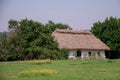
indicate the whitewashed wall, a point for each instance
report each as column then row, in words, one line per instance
column 72, row 54
column 102, row 54
column 85, row 54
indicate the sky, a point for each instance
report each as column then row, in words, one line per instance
column 78, row 14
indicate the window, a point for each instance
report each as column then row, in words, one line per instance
column 93, row 54
column 78, row 53
column 98, row 53
column 89, row 53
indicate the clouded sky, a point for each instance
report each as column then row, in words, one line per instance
column 78, row 14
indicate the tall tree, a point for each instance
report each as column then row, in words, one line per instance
column 54, row 26
column 3, row 47
column 109, row 32
column 32, row 40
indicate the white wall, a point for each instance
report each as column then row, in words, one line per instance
column 84, row 54
column 72, row 54
column 94, row 54
column 102, row 54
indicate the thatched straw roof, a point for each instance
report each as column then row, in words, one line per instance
column 78, row 40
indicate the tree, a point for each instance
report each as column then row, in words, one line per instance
column 3, row 47
column 54, row 26
column 31, row 40
column 13, row 25
column 109, row 32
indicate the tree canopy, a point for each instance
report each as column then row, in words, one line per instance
column 109, row 32
column 31, row 40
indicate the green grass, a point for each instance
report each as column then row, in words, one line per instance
column 66, row 70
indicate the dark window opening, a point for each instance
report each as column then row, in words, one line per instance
column 89, row 53
column 98, row 53
column 78, row 53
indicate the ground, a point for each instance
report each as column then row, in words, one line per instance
column 65, row 70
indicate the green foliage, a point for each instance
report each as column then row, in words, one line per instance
column 54, row 26
column 3, row 47
column 109, row 32
column 31, row 40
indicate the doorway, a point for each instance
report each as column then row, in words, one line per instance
column 78, row 53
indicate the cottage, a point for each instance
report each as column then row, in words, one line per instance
column 82, row 44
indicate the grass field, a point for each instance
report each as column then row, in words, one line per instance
column 64, row 70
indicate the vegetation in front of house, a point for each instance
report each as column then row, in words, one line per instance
column 61, row 70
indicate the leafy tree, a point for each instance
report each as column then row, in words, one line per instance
column 3, row 47
column 54, row 26
column 13, row 25
column 31, row 40
column 109, row 32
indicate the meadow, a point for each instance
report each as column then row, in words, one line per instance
column 60, row 70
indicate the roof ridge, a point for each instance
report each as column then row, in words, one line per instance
column 73, row 31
